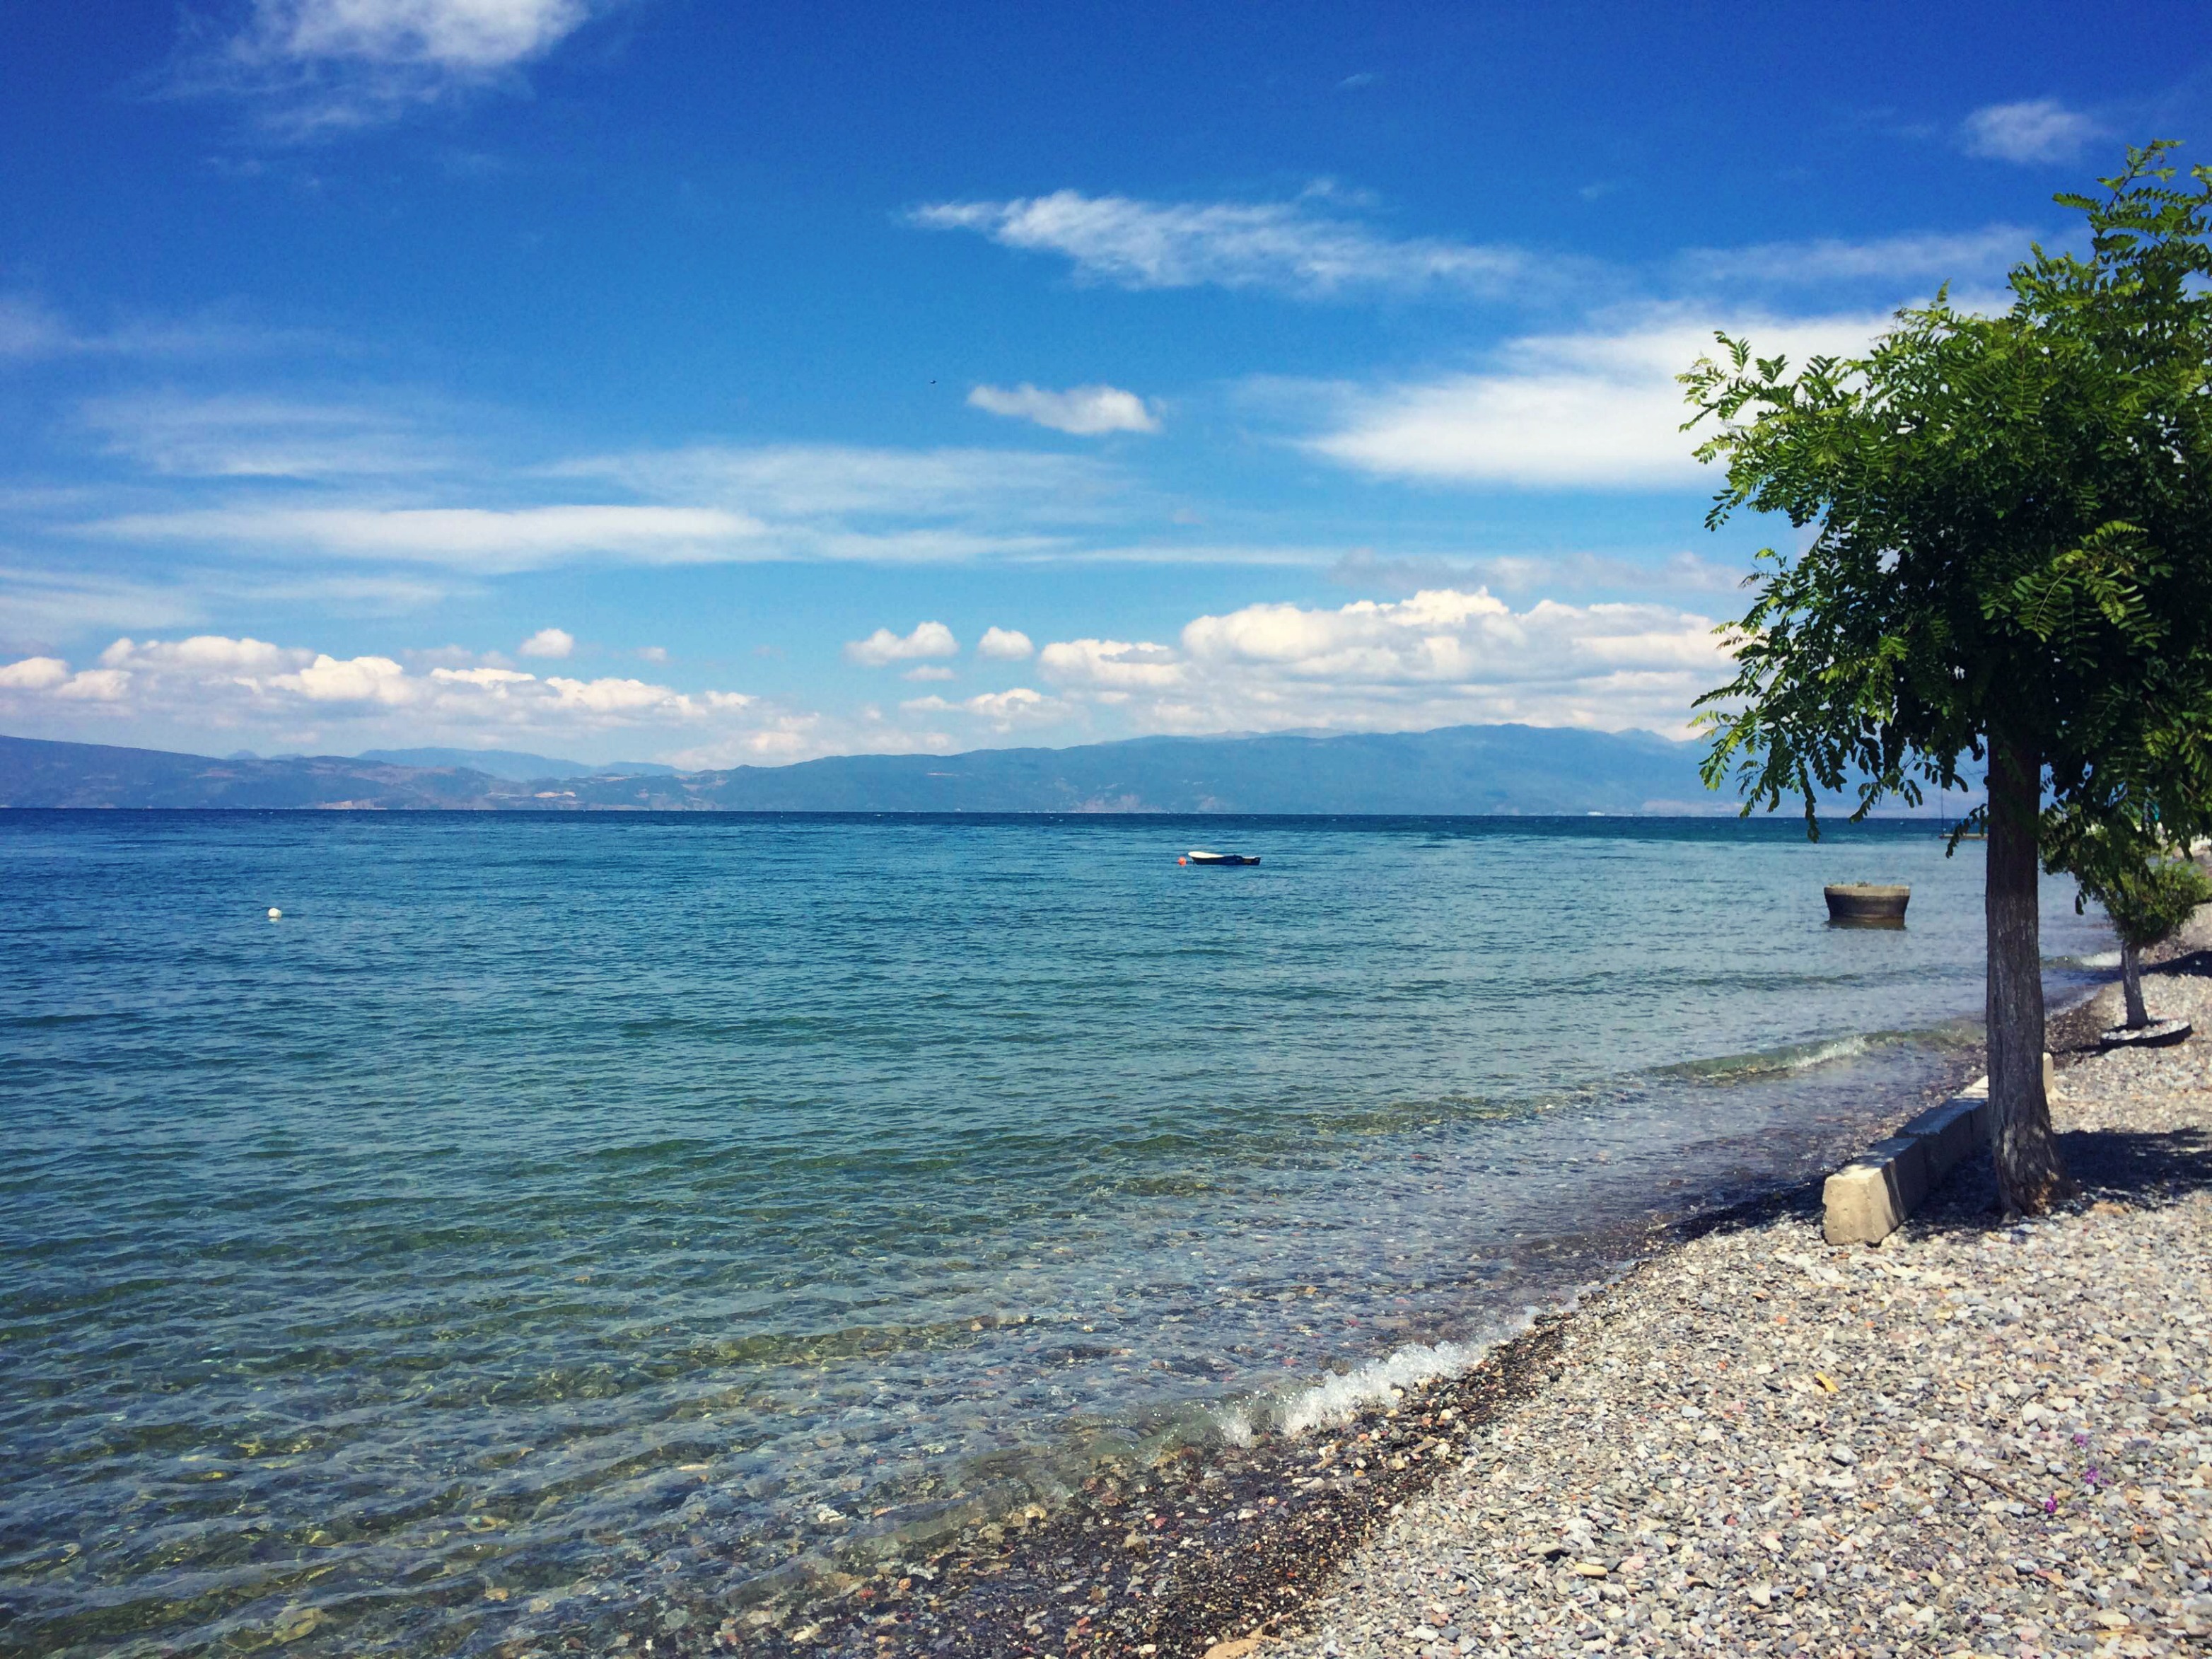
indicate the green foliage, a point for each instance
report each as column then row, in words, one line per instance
column 2008, row 537
column 2147, row 905
column 2115, row 863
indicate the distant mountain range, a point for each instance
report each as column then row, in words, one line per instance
column 1475, row 769
column 511, row 764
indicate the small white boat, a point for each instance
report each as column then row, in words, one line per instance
column 1198, row 856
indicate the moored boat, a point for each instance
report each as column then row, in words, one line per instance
column 1198, row 855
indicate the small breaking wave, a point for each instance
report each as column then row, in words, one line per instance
column 1796, row 1057
column 1338, row 1400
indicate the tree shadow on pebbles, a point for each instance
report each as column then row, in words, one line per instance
column 2138, row 1169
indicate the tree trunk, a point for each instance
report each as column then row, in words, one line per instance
column 2029, row 1177
column 2131, row 986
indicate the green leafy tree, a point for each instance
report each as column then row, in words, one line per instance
column 2005, row 556
column 2148, row 897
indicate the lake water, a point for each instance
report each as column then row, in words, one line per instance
column 556, row 1222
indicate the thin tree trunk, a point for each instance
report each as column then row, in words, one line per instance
column 2029, row 1177
column 2131, row 986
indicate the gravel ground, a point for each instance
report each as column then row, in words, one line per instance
column 1975, row 1439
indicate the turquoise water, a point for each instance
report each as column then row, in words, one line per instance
column 554, row 1223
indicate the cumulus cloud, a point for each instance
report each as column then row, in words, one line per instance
column 2034, row 130
column 1584, row 411
column 293, row 695
column 928, row 671
column 1004, row 645
column 1113, row 668
column 1442, row 656
column 35, row 674
column 929, row 639
column 209, row 655
column 1288, row 246
column 316, row 65
column 1087, row 412
column 1001, row 710
column 549, row 642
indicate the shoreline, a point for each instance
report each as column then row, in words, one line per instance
column 1977, row 1437
column 1164, row 1558
column 1224, row 1550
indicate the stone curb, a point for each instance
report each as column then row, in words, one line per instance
column 1870, row 1197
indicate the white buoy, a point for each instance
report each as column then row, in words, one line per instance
column 275, row 914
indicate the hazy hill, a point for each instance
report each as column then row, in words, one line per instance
column 33, row 772
column 511, row 764
column 1468, row 768
column 1510, row 769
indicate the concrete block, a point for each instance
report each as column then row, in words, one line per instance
column 1947, row 1133
column 1979, row 1088
column 1868, row 1200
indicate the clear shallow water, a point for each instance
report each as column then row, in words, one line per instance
column 553, row 1222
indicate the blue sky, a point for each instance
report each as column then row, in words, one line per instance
column 650, row 378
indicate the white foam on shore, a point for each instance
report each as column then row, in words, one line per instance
column 1339, row 1400
column 2102, row 959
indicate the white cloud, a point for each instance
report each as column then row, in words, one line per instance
column 1444, row 656
column 483, row 540
column 28, row 328
column 653, row 654
column 1927, row 258
column 1086, row 411
column 1004, row 645
column 704, row 504
column 929, row 639
column 813, row 483
column 1003, row 710
column 2034, row 130
column 47, row 606
column 451, row 35
column 358, row 679
column 242, row 435
column 1520, row 573
column 928, row 672
column 549, row 642
column 292, row 696
column 323, row 64
column 31, row 329
column 1283, row 246
column 210, row 693
column 1587, row 410
column 205, row 655
column 94, row 686
column 1112, row 666
column 34, row 674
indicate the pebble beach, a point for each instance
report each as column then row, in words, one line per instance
column 1973, row 1439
